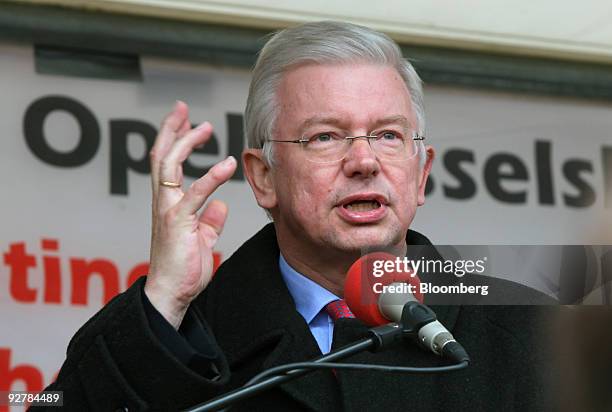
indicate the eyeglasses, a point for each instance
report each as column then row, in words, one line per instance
column 333, row 147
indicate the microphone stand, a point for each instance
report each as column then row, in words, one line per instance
column 379, row 338
column 414, row 316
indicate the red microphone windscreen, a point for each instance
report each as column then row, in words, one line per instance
column 365, row 280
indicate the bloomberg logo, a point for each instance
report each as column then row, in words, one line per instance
column 498, row 169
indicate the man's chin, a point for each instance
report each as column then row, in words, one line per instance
column 362, row 240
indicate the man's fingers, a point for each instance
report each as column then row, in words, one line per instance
column 203, row 187
column 170, row 127
column 170, row 167
column 176, row 118
column 184, row 128
column 214, row 215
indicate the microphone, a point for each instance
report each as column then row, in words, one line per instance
column 380, row 288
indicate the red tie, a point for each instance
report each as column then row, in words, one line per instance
column 338, row 309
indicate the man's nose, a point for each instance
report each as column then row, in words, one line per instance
column 361, row 160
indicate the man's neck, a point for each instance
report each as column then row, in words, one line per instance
column 327, row 269
column 329, row 273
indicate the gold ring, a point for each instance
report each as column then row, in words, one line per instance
column 169, row 184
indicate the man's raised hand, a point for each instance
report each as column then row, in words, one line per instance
column 181, row 261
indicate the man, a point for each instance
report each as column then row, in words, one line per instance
column 334, row 122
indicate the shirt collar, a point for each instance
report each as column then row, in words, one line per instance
column 309, row 296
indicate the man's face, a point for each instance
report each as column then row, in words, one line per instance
column 360, row 201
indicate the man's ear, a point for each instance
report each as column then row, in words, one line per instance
column 430, row 154
column 259, row 175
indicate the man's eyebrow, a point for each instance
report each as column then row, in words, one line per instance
column 335, row 121
column 399, row 119
column 311, row 121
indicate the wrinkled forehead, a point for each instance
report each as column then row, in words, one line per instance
column 354, row 94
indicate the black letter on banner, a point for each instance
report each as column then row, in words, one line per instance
column 33, row 125
column 235, row 133
column 586, row 195
column 211, row 147
column 234, row 148
column 544, row 172
column 120, row 161
column 606, row 157
column 493, row 177
column 429, row 185
column 466, row 187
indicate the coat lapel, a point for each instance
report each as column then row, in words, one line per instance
column 318, row 390
column 255, row 322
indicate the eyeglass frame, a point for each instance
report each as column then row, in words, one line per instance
column 416, row 137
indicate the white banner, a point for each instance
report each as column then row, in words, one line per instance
column 510, row 169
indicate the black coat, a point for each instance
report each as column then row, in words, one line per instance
column 115, row 361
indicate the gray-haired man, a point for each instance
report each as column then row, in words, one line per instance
column 334, row 122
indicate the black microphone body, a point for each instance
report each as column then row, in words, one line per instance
column 420, row 322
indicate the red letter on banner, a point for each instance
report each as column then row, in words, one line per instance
column 81, row 273
column 19, row 262
column 53, row 279
column 29, row 375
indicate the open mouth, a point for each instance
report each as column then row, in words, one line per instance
column 362, row 205
column 363, row 208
